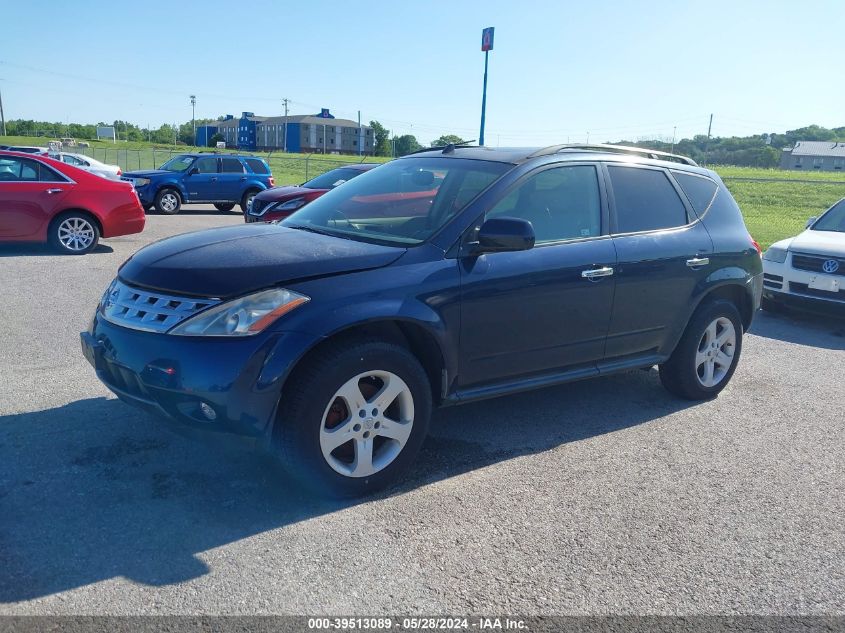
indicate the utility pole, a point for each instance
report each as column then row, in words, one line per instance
column 285, row 137
column 2, row 116
column 194, row 117
column 707, row 143
column 674, row 129
column 359, row 133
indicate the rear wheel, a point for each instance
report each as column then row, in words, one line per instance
column 224, row 206
column 246, row 201
column 168, row 201
column 74, row 234
column 707, row 354
column 353, row 417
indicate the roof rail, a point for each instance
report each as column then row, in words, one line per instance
column 442, row 148
column 619, row 149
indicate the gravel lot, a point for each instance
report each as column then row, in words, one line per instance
column 607, row 496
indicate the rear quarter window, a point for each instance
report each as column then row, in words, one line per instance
column 645, row 200
column 698, row 189
column 231, row 166
column 257, row 166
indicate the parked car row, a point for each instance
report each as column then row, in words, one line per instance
column 46, row 200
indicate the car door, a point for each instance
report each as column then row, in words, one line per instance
column 663, row 254
column 231, row 180
column 29, row 195
column 546, row 309
column 201, row 180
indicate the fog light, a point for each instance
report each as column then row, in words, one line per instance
column 207, row 411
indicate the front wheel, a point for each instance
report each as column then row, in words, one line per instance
column 168, row 201
column 353, row 418
column 707, row 354
column 224, row 206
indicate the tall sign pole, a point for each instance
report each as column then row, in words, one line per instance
column 486, row 46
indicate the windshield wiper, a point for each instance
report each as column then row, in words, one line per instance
column 311, row 229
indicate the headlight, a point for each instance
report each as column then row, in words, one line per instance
column 291, row 205
column 140, row 182
column 776, row 255
column 241, row 317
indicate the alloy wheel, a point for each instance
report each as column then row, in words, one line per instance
column 76, row 234
column 715, row 353
column 168, row 202
column 367, row 423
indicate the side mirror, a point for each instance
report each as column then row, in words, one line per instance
column 501, row 235
column 811, row 221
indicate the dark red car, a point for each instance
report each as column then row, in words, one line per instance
column 279, row 202
column 44, row 200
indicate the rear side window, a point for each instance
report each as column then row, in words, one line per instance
column 25, row 170
column 645, row 200
column 257, row 166
column 232, row 165
column 699, row 190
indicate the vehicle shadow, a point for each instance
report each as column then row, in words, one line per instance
column 801, row 328
column 38, row 249
column 95, row 489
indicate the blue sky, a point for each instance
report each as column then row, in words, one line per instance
column 560, row 70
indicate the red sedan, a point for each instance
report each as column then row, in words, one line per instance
column 44, row 200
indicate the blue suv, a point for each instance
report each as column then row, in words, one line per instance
column 443, row 277
column 221, row 179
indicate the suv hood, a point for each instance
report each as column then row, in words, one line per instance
column 232, row 261
column 819, row 242
column 281, row 193
column 146, row 173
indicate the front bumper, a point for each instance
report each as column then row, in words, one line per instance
column 240, row 380
column 790, row 286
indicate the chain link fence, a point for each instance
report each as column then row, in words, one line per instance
column 287, row 168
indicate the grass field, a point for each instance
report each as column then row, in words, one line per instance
column 774, row 206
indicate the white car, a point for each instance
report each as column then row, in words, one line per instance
column 808, row 270
column 87, row 163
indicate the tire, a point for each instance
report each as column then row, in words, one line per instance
column 224, row 206
column 694, row 370
column 168, row 201
column 312, row 409
column 74, row 233
column 249, row 194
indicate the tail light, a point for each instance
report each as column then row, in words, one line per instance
column 756, row 245
column 119, row 171
column 272, row 181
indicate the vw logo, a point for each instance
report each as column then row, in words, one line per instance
column 830, row 266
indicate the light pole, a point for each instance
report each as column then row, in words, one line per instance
column 486, row 46
column 193, row 117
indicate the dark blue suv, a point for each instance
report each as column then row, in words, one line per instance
column 221, row 179
column 440, row 278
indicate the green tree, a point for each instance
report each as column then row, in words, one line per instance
column 448, row 139
column 406, row 144
column 381, row 140
column 212, row 142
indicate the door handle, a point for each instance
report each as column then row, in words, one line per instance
column 698, row 262
column 243, row 178
column 595, row 273
column 51, row 191
column 214, row 179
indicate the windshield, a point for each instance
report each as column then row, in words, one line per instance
column 833, row 220
column 405, row 201
column 333, row 178
column 178, row 163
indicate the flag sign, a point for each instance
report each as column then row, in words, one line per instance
column 487, row 39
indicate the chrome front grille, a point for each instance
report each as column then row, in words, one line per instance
column 815, row 263
column 149, row 311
